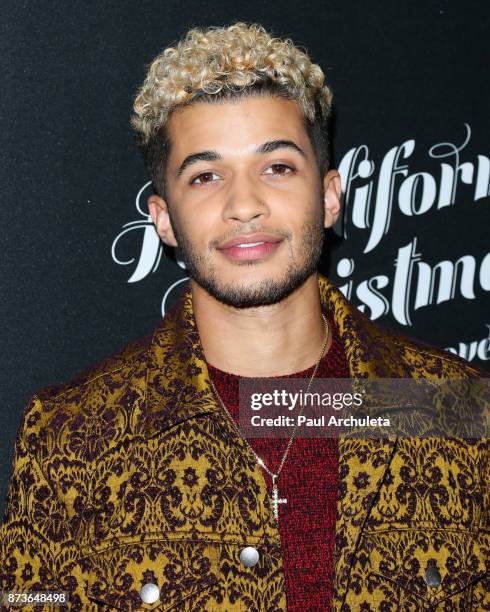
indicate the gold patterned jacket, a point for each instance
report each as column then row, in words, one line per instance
column 132, row 474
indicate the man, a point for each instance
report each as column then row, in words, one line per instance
column 132, row 486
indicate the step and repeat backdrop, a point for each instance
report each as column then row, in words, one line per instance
column 83, row 269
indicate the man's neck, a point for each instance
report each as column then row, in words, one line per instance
column 273, row 340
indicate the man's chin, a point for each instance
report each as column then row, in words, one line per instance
column 254, row 294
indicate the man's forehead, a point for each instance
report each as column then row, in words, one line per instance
column 235, row 127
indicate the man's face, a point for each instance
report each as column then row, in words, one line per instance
column 243, row 172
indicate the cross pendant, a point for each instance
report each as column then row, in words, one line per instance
column 275, row 499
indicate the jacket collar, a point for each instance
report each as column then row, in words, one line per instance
column 178, row 388
column 177, row 381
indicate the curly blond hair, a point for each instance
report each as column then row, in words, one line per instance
column 223, row 62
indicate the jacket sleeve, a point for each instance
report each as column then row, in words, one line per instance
column 35, row 527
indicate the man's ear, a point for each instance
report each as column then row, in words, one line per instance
column 332, row 194
column 159, row 213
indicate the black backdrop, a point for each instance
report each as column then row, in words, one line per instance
column 410, row 79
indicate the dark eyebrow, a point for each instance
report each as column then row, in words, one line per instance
column 269, row 147
column 195, row 157
column 266, row 147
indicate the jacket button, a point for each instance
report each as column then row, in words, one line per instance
column 149, row 593
column 249, row 556
column 432, row 576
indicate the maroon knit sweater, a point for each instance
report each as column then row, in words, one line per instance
column 309, row 482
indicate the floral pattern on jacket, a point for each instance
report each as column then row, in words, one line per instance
column 131, row 473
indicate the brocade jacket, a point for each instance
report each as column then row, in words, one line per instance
column 133, row 474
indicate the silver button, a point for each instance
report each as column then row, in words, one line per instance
column 432, row 576
column 149, row 593
column 249, row 556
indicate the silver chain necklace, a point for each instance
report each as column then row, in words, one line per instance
column 275, row 493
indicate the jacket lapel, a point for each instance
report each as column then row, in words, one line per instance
column 362, row 462
column 177, row 383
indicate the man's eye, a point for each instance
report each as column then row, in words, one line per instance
column 205, row 177
column 278, row 169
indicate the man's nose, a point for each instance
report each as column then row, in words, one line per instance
column 245, row 200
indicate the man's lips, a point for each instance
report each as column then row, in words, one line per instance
column 249, row 239
column 253, row 246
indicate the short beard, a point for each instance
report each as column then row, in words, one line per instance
column 266, row 292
